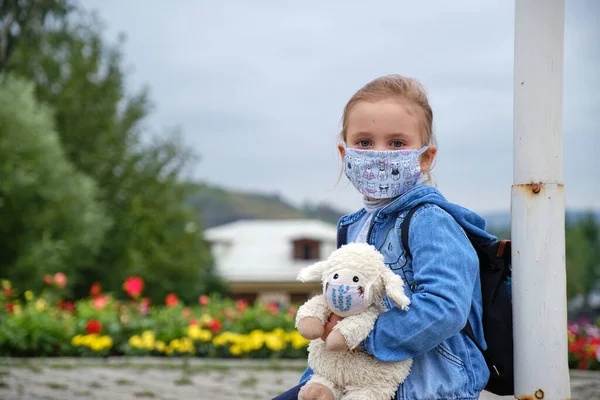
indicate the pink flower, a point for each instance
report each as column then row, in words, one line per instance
column 133, row 286
column 48, row 280
column 60, row 279
column 99, row 302
column 203, row 300
column 145, row 306
column 171, row 300
column 241, row 305
column 95, row 289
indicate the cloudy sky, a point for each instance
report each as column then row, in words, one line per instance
column 258, row 88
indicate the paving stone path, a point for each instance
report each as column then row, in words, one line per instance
column 155, row 378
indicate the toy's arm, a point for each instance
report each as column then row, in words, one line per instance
column 356, row 328
column 312, row 316
column 314, row 307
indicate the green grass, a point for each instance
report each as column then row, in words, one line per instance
column 184, row 380
column 57, row 386
column 145, row 394
column 123, row 382
column 249, row 382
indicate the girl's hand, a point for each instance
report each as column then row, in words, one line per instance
column 333, row 320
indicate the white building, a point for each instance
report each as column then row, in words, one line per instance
column 260, row 259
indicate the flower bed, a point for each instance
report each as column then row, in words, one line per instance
column 46, row 325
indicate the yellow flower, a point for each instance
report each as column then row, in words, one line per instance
column 106, row 342
column 148, row 340
column 205, row 319
column 17, row 309
column 235, row 350
column 256, row 339
column 6, row 284
column 40, row 305
column 77, row 340
column 28, row 295
column 205, row 335
column 193, row 331
column 160, row 346
column 274, row 342
column 136, row 342
column 297, row 340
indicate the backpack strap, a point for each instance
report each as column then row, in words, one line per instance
column 404, row 228
column 467, row 330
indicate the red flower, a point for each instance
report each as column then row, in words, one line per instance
column 93, row 326
column 133, row 286
column 273, row 308
column 193, row 321
column 10, row 307
column 186, row 312
column 99, row 302
column 95, row 289
column 66, row 305
column 60, row 279
column 48, row 280
column 8, row 291
column 215, row 325
column 241, row 305
column 171, row 300
column 203, row 300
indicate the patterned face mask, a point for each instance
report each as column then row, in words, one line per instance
column 344, row 299
column 383, row 174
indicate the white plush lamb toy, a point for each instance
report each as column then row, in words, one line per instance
column 355, row 281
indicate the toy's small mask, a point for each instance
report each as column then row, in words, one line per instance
column 345, row 299
column 347, row 292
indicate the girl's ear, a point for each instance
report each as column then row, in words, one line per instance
column 313, row 273
column 426, row 159
column 394, row 288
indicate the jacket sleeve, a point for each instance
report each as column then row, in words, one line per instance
column 445, row 267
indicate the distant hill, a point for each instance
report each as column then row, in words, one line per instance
column 218, row 206
column 500, row 221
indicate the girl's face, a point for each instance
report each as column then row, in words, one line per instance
column 387, row 125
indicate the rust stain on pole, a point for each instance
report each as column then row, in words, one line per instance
column 535, row 188
column 539, row 394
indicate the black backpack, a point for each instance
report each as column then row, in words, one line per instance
column 495, row 274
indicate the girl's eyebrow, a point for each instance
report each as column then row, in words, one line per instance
column 397, row 135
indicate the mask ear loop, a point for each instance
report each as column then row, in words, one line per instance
column 422, row 150
column 369, row 286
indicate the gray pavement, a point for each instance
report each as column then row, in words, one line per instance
column 176, row 379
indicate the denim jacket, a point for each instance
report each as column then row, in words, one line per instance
column 442, row 280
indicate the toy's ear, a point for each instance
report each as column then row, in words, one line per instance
column 394, row 288
column 313, row 273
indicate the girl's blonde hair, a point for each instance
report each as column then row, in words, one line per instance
column 396, row 87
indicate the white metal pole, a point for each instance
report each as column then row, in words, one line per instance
column 538, row 204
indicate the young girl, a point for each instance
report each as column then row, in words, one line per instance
column 388, row 149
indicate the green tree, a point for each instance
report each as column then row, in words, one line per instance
column 50, row 220
column 101, row 129
column 583, row 257
column 24, row 20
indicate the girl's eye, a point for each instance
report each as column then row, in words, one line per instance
column 364, row 143
column 397, row 143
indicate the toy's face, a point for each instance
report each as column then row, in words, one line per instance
column 347, row 292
